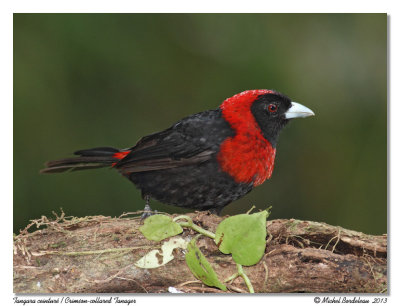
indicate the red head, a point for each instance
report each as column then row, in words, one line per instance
column 257, row 117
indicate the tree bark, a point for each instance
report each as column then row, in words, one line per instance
column 98, row 254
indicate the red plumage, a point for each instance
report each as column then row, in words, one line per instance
column 248, row 157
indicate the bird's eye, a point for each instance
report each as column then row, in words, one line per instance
column 272, row 108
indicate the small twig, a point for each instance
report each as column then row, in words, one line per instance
column 187, row 283
column 209, row 289
column 266, row 274
column 249, row 211
column 125, row 214
column 202, row 288
column 130, row 279
column 235, row 289
column 337, row 241
column 269, row 253
column 83, row 253
column 372, row 270
column 330, row 240
column 111, row 277
column 298, row 242
column 25, row 267
column 270, row 237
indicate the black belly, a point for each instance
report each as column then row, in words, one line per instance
column 201, row 186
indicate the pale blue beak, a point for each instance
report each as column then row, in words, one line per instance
column 298, row 111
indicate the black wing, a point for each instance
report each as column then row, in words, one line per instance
column 192, row 140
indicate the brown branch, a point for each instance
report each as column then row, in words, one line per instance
column 97, row 254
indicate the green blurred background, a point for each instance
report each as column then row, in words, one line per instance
column 87, row 80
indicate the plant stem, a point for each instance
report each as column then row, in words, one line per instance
column 198, row 229
column 193, row 226
column 231, row 278
column 189, row 223
column 246, row 279
column 187, row 218
column 251, row 209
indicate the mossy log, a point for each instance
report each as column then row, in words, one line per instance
column 98, row 254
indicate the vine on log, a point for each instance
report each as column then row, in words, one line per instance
column 97, row 254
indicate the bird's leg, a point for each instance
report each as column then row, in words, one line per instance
column 147, row 212
column 216, row 211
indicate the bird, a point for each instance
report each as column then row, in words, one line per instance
column 204, row 161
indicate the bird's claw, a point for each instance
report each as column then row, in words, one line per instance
column 147, row 212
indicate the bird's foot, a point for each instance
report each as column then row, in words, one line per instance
column 147, row 212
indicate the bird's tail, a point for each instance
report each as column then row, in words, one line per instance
column 87, row 159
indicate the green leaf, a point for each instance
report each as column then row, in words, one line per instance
column 200, row 267
column 243, row 236
column 159, row 227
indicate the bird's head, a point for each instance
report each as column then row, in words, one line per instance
column 267, row 110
